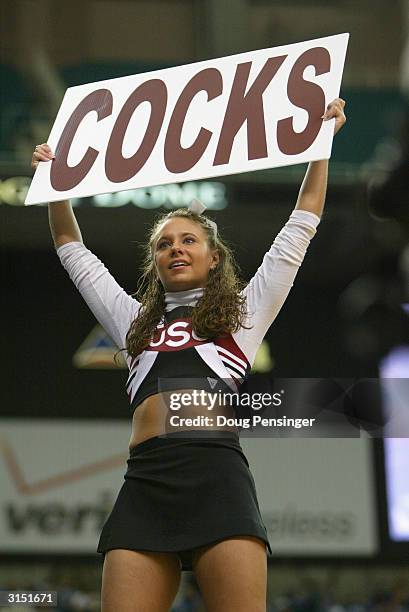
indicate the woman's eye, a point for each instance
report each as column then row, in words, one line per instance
column 161, row 245
column 189, row 240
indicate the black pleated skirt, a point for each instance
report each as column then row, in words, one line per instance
column 184, row 491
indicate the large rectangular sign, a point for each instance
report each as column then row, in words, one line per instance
column 250, row 111
column 316, row 496
column 58, row 482
column 59, row 479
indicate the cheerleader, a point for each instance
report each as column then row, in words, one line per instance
column 189, row 500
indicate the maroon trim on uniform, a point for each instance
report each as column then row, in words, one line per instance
column 228, row 343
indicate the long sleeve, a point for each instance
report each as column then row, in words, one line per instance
column 268, row 289
column 111, row 305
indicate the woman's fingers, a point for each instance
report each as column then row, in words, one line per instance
column 335, row 110
column 42, row 152
column 45, row 150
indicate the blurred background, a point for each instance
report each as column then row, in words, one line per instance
column 337, row 510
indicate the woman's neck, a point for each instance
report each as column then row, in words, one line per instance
column 190, row 297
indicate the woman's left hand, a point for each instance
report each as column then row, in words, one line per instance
column 335, row 109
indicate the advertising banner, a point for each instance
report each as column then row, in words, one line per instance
column 59, row 480
column 316, row 496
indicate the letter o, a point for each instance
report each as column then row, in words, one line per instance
column 117, row 167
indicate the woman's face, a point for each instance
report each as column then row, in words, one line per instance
column 182, row 255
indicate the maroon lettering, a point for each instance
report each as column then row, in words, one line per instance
column 247, row 107
column 178, row 158
column 63, row 176
column 117, row 167
column 308, row 96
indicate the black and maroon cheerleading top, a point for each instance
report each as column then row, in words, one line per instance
column 175, row 351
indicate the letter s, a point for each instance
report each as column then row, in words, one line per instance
column 277, row 399
column 175, row 333
column 307, row 95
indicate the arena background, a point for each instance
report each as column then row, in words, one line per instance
column 337, row 509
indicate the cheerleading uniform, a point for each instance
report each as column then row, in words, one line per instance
column 147, row 516
column 176, row 345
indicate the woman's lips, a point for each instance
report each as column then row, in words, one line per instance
column 179, row 268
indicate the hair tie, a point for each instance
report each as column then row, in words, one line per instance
column 197, row 207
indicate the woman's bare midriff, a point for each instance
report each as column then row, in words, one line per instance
column 153, row 417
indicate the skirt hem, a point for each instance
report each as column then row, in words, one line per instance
column 185, row 554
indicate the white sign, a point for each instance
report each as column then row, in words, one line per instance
column 59, row 479
column 245, row 112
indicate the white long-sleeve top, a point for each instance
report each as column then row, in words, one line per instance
column 229, row 357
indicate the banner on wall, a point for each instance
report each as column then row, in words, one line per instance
column 59, row 480
column 316, row 496
column 245, row 112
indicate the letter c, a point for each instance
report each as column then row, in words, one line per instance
column 64, row 177
column 177, row 158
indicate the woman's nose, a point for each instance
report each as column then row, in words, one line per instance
column 177, row 248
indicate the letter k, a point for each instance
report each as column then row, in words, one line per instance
column 248, row 107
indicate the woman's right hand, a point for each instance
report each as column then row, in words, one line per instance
column 42, row 152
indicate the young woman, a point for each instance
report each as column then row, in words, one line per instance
column 189, row 500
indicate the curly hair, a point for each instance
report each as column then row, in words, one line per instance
column 221, row 310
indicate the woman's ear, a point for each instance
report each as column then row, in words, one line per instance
column 215, row 259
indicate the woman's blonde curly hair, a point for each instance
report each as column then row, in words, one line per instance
column 221, row 309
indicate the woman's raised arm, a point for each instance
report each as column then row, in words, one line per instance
column 314, row 186
column 63, row 224
column 110, row 304
column 268, row 289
